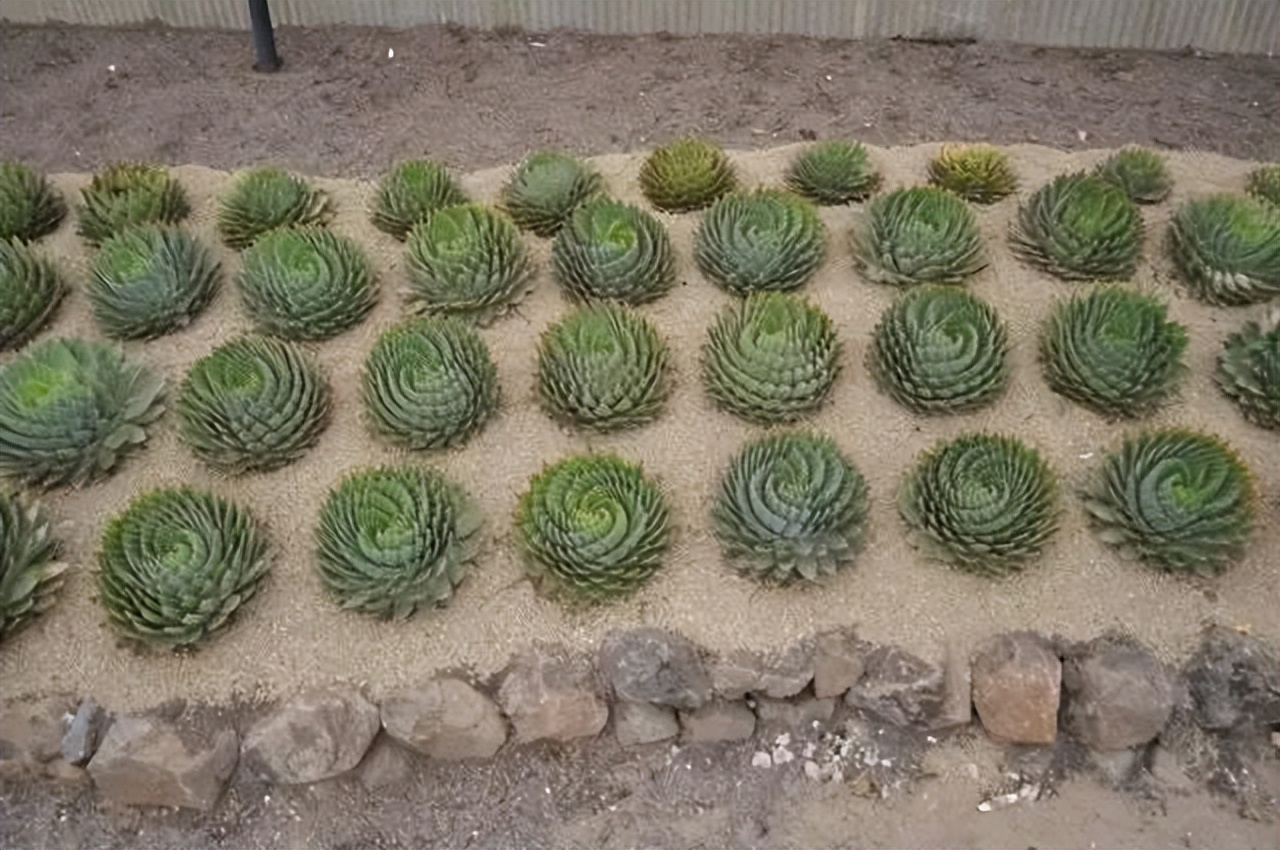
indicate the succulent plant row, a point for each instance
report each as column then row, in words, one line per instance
column 1227, row 249
column 613, row 251
column 30, row 574
column 30, row 207
column 833, row 173
column 545, row 190
column 411, row 191
column 1141, row 173
column 263, row 199
column 687, row 174
column 1248, row 372
column 978, row 173
column 128, row 194
column 1079, row 227
column 765, row 240
column 918, row 235
column 30, row 291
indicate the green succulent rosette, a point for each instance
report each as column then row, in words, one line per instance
column 760, row 241
column 833, row 173
column 177, row 564
column 467, row 260
column 982, row 503
column 1227, row 249
column 30, row 208
column 411, row 191
column 1080, row 227
column 30, row 574
column 128, row 194
column 791, row 507
column 254, row 404
column 604, row 368
column 306, row 283
column 686, row 175
column 393, row 539
column 1263, row 183
column 264, row 199
column 771, row 358
column 429, row 383
column 149, row 281
column 918, row 235
column 1177, row 499
column 1248, row 372
column 593, row 527
column 30, row 292
column 1113, row 350
column 546, row 189
column 608, row 250
column 978, row 173
column 1142, row 174
column 939, row 349
column 70, row 409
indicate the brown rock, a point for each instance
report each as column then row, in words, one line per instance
column 319, row 734
column 146, row 762
column 1017, row 685
column 446, row 719
column 31, row 734
column 549, row 697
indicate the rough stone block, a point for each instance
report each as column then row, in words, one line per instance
column 1017, row 686
column 320, row 734
column 445, row 719
column 146, row 762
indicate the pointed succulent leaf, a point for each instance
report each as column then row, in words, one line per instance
column 30, row 574
column 593, row 526
column 833, row 173
column 410, row 192
column 546, row 189
column 1263, row 183
column 771, row 358
column 30, row 291
column 614, row 251
column 393, row 539
column 430, row 383
column 1113, row 350
column 978, row 173
column 1175, row 498
column 252, row 405
column 919, row 235
column 1249, row 373
column 761, row 240
column 69, row 408
column 128, row 194
column 939, row 349
column 263, row 199
column 982, row 503
column 1079, row 227
column 1227, row 249
column 686, row 175
column 791, row 506
column 604, row 368
column 1141, row 173
column 469, row 261
column 29, row 207
column 177, row 563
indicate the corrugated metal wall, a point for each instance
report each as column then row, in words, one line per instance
column 1225, row 26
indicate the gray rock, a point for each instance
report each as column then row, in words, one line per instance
column 957, row 693
column 548, row 697
column 31, row 734
column 801, row 713
column 143, row 761
column 838, row 662
column 718, row 720
column 317, row 735
column 899, row 688
column 776, row 675
column 1119, row 695
column 387, row 765
column 654, row 665
column 1235, row 681
column 735, row 674
column 445, row 719
column 81, row 740
column 1017, row 687
column 636, row 723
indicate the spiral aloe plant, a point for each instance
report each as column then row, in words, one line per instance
column 1263, row 183
column 604, row 368
column 1227, row 249
column 29, row 207
column 252, row 405
column 393, row 539
column 430, row 383
column 1141, row 173
column 940, row 350
column 919, row 235
column 791, row 506
column 150, row 280
column 1113, row 350
column 30, row 574
column 764, row 240
column 978, row 173
column 833, row 173
column 128, row 194
column 30, row 291
column 1249, row 373
column 615, row 251
column 263, row 199
column 983, row 503
column 70, row 408
column 411, row 191
column 686, row 175
column 177, row 564
column 467, row 260
column 593, row 526
column 1175, row 498
column 1079, row 227
column 306, row 283
column 546, row 189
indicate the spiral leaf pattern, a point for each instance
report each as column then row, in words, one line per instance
column 410, row 192
column 1227, row 249
column 30, row 208
column 686, row 175
column 614, row 251
column 30, row 291
column 1080, row 227
column 1141, row 173
column 545, row 190
column 833, row 173
column 263, row 199
column 30, row 577
column 129, row 194
column 1249, row 374
column 919, row 235
column 978, row 173
column 764, row 240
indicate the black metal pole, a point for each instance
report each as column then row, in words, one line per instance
column 264, row 39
